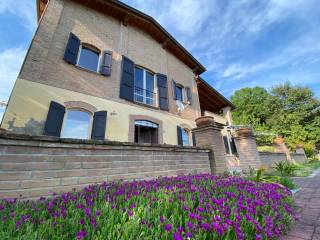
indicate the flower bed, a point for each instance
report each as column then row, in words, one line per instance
column 195, row 206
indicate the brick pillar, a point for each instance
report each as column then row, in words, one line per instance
column 208, row 134
column 247, row 149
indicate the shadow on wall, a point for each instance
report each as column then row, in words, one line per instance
column 32, row 127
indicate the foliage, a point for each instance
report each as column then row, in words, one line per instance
column 309, row 150
column 199, row 206
column 266, row 149
column 261, row 176
column 285, row 168
column 290, row 111
column 287, row 182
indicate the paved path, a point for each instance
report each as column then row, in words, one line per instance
column 308, row 203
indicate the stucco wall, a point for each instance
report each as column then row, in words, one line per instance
column 28, row 112
column 34, row 166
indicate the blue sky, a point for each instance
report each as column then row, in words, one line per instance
column 242, row 43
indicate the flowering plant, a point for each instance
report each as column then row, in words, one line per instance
column 201, row 206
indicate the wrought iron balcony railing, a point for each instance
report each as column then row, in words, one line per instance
column 144, row 96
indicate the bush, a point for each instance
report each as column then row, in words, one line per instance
column 287, row 182
column 309, row 150
column 285, row 168
column 199, row 206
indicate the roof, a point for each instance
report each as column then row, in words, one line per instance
column 132, row 16
column 210, row 99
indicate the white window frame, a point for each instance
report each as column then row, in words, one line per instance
column 94, row 50
column 189, row 137
column 182, row 92
column 155, row 88
column 65, row 117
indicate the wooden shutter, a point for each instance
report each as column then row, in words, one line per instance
column 54, row 119
column 179, row 133
column 106, row 63
column 163, row 91
column 127, row 79
column 174, row 85
column 72, row 49
column 99, row 125
column 189, row 94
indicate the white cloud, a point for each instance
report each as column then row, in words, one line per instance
column 22, row 9
column 10, row 64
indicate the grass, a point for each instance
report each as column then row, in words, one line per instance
column 199, row 206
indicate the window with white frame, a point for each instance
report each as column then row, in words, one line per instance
column 77, row 124
column 89, row 58
column 144, row 86
column 179, row 92
column 185, row 137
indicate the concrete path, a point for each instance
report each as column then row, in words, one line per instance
column 307, row 200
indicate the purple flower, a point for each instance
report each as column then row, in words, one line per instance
column 189, row 225
column 81, row 221
column 168, row 227
column 180, row 229
column 189, row 235
column 81, row 235
column 162, row 219
column 177, row 236
column 98, row 213
column 191, row 215
column 1, row 207
column 18, row 224
column 130, row 213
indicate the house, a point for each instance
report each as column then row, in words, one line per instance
column 103, row 70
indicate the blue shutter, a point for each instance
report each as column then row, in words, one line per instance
column 174, row 89
column 189, row 94
column 163, row 91
column 99, row 125
column 54, row 119
column 127, row 79
column 194, row 143
column 72, row 49
column 226, row 145
column 106, row 63
column 179, row 133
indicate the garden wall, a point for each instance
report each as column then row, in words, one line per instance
column 269, row 158
column 299, row 157
column 34, row 166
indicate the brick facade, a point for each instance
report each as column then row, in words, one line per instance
column 34, row 166
column 210, row 137
column 247, row 149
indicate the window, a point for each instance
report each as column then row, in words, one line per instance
column 144, row 84
column 88, row 58
column 179, row 93
column 145, row 132
column 76, row 124
column 230, row 145
column 185, row 137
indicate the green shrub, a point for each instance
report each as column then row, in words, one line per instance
column 309, row 149
column 285, row 168
column 287, row 182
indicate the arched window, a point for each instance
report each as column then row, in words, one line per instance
column 77, row 124
column 89, row 58
column 145, row 132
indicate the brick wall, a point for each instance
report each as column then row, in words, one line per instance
column 299, row 157
column 268, row 159
column 35, row 166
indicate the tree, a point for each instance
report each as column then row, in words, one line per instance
column 290, row 111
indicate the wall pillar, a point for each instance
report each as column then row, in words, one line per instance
column 247, row 149
column 208, row 134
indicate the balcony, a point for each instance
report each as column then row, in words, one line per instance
column 144, row 96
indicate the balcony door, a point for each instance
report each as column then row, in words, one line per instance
column 144, row 86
